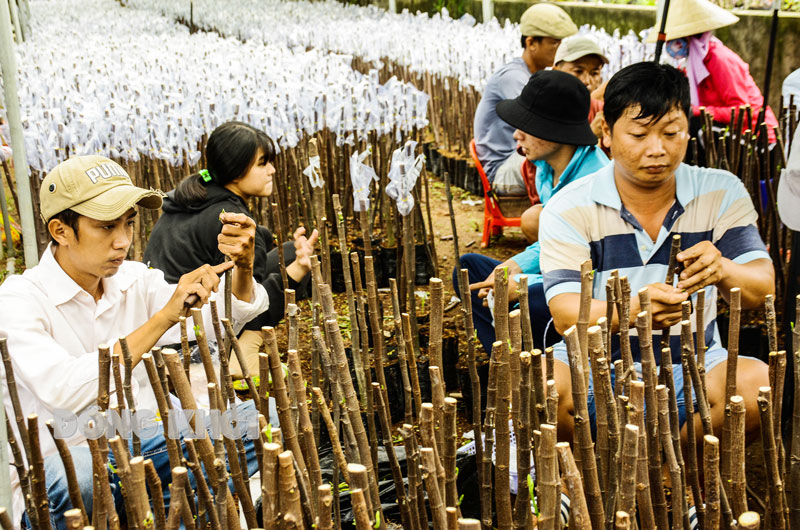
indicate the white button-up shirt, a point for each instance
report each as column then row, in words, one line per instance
column 54, row 328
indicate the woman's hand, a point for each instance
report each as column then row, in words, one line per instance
column 303, row 249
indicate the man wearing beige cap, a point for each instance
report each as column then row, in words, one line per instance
column 84, row 294
column 542, row 27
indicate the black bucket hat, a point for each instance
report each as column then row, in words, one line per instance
column 553, row 106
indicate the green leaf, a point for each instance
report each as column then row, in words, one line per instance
column 533, row 497
column 377, row 519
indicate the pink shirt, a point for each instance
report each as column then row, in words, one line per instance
column 728, row 86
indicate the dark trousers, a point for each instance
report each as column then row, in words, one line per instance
column 479, row 268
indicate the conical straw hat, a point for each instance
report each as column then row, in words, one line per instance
column 692, row 17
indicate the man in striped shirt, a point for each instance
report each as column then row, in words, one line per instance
column 623, row 218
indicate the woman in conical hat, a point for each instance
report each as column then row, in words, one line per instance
column 719, row 79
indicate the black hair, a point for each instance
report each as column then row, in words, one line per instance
column 655, row 88
column 230, row 153
column 70, row 218
column 524, row 40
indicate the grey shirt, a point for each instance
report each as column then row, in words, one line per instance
column 494, row 140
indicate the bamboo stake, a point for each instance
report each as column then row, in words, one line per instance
column 202, row 486
column 636, row 417
column 360, row 509
column 524, row 308
column 579, row 511
column 351, row 301
column 73, row 518
column 332, row 330
column 595, row 342
column 234, row 342
column 179, row 503
column 549, row 483
column 629, row 457
column 324, row 519
column 132, row 503
column 675, row 248
column 156, row 493
column 538, row 385
column 730, row 383
column 738, row 486
column 750, row 521
column 415, row 501
column 69, row 471
column 552, row 402
column 269, row 486
column 692, row 473
column 126, row 385
column 206, row 450
column 386, row 430
column 472, row 365
column 163, row 409
column 522, row 434
column 432, row 487
column 360, row 480
column 38, row 483
column 712, row 486
column 450, row 447
column 514, row 368
column 338, row 454
column 401, row 353
column 794, row 461
column 104, row 365
column 501, row 305
column 437, row 396
column 105, row 506
column 583, row 428
column 777, row 406
column 502, row 493
column 22, row 473
column 775, row 512
column 587, row 277
column 306, row 427
column 622, row 291
column 118, row 386
column 678, row 489
column 469, row 524
column 489, row 438
column 428, row 439
column 13, row 395
column 436, row 315
column 287, row 486
column 412, row 362
column 186, row 351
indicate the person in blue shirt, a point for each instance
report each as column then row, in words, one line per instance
column 542, row 27
column 552, row 132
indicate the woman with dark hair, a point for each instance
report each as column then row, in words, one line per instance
column 240, row 167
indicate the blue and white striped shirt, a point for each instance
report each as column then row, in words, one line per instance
column 588, row 220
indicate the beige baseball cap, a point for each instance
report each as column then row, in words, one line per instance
column 578, row 46
column 692, row 17
column 546, row 20
column 94, row 186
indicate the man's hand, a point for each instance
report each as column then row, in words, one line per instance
column 665, row 305
column 200, row 282
column 702, row 267
column 237, row 239
column 486, row 285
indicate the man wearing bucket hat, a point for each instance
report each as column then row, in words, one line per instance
column 84, row 294
column 719, row 79
column 551, row 130
column 543, row 26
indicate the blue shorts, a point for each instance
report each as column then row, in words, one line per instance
column 714, row 357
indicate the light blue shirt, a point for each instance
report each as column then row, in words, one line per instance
column 586, row 160
column 494, row 138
